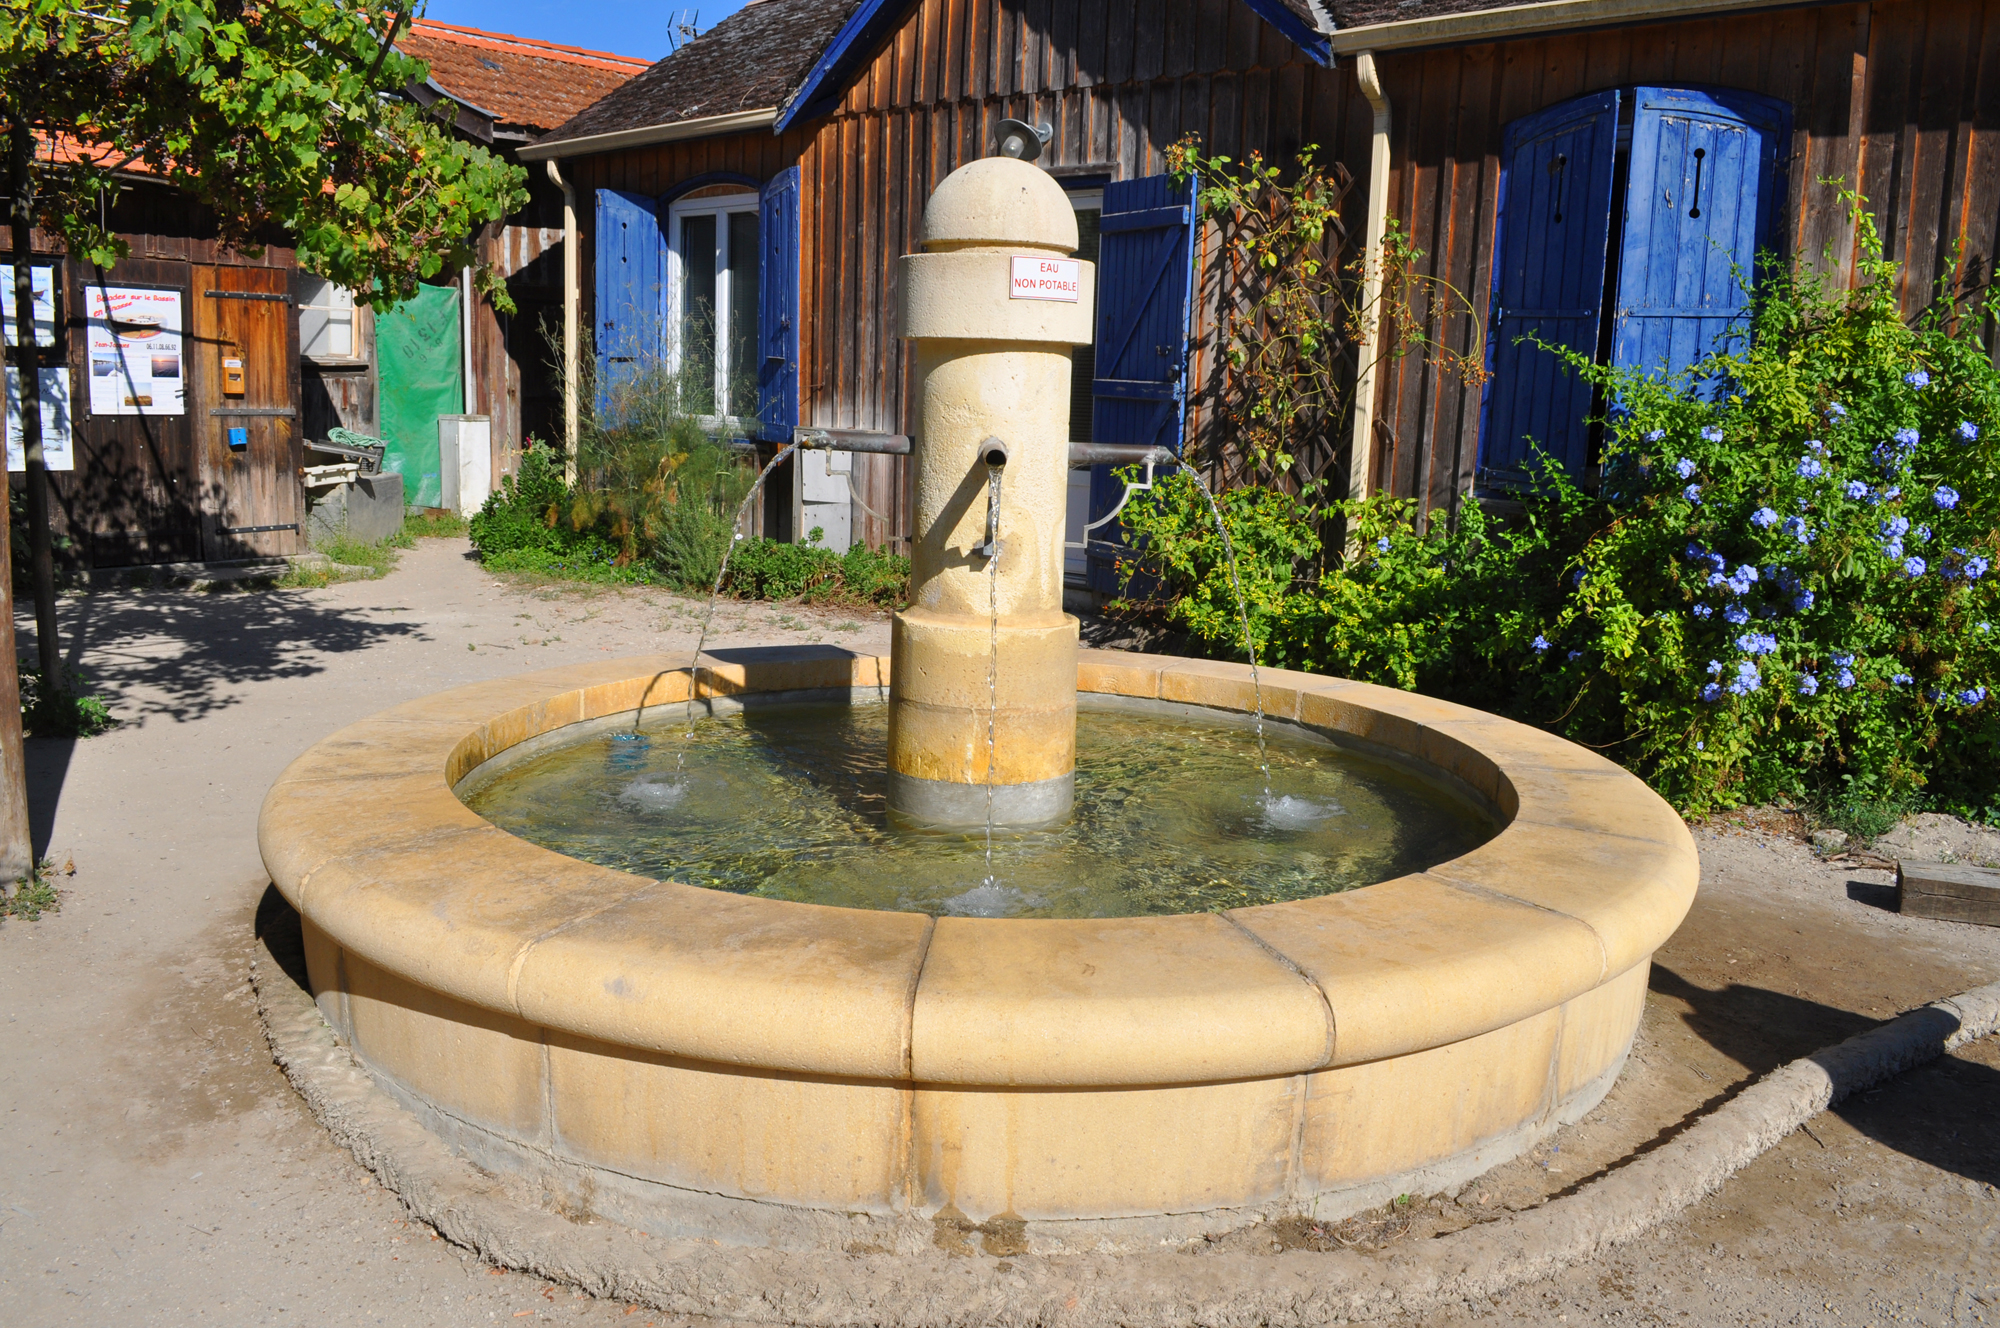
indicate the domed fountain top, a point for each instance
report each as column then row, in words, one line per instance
column 1002, row 202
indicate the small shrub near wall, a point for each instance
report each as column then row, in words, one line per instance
column 1783, row 586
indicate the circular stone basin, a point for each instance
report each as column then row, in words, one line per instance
column 692, row 1061
column 789, row 800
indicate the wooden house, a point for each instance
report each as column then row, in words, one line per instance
column 1593, row 170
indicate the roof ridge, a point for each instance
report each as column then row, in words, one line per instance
column 525, row 45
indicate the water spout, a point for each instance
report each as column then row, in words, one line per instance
column 1243, row 616
column 996, row 471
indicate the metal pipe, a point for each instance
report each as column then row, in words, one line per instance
column 1082, row 456
column 572, row 298
column 1361, row 452
column 466, row 362
column 853, row 440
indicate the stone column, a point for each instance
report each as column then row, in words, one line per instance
column 993, row 361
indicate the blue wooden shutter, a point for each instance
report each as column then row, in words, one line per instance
column 1556, row 168
column 630, row 288
column 1145, row 293
column 1704, row 188
column 778, row 314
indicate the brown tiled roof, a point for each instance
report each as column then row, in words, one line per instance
column 756, row 57
column 530, row 84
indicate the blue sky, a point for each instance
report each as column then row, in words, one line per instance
column 624, row 29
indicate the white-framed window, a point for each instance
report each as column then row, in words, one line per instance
column 712, row 263
column 327, row 329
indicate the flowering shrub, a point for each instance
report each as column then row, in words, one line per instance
column 1783, row 586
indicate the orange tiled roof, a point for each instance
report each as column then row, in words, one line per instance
column 533, row 84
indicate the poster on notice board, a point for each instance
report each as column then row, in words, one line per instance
column 56, row 453
column 134, row 351
column 43, row 279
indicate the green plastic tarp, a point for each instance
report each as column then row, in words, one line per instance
column 419, row 371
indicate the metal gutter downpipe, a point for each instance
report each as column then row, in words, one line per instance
column 1362, row 449
column 572, row 299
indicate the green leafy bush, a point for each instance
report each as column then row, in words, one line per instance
column 814, row 574
column 1783, row 586
column 72, row 710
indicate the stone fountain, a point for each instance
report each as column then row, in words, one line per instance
column 765, row 1071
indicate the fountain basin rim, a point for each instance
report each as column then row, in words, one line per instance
column 1589, row 873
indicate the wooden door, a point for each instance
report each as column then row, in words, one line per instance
column 133, row 497
column 247, row 442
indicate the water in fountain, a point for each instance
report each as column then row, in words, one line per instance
column 788, row 799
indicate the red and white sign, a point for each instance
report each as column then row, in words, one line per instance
column 1046, row 279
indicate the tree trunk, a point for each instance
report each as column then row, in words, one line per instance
column 17, row 849
column 41, row 561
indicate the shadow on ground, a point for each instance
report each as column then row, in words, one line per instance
column 184, row 655
column 1940, row 1114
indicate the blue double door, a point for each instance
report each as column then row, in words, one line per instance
column 1629, row 227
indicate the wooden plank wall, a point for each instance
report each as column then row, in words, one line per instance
column 1901, row 96
column 136, row 495
column 514, row 378
column 1118, row 82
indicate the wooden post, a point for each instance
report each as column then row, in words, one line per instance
column 40, row 561
column 17, row 848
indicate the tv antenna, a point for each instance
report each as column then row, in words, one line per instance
column 683, row 26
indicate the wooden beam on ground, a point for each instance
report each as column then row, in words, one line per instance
column 1952, row 891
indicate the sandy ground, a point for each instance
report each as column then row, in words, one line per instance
column 158, row 1170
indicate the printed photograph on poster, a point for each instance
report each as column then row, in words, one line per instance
column 134, row 349
column 43, row 280
column 56, row 452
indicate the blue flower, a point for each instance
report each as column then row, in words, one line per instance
column 1802, row 601
column 1913, row 567
column 1810, row 468
column 1747, row 572
column 1692, row 493
column 1747, row 679
column 1797, row 528
column 1382, row 544
column 1655, row 435
column 1975, row 567
column 1923, row 534
column 1893, row 550
column 1972, row 696
column 1902, row 679
column 1856, row 490
column 1946, row 497
column 1895, row 527
column 1715, row 668
column 1736, row 614
column 1757, row 643
column 1968, row 432
column 1842, row 661
column 1815, row 445
column 1540, row 644
column 1702, row 611
column 1835, row 411
column 1712, row 692
column 1892, row 493
column 1844, row 679
column 1808, row 685
column 1574, row 654
column 1684, row 467
column 1918, row 379
column 1906, row 438
column 1712, row 434
column 1717, row 579
column 1700, row 746
column 1763, row 518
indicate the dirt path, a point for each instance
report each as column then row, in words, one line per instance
column 158, row 1170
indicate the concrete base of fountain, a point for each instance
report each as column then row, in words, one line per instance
column 690, row 1061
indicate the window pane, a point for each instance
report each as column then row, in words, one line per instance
column 1083, row 359
column 697, row 329
column 743, row 357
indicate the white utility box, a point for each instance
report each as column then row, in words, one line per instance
column 824, row 498
column 465, row 461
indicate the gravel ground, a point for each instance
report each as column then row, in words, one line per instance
column 160, row 1171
